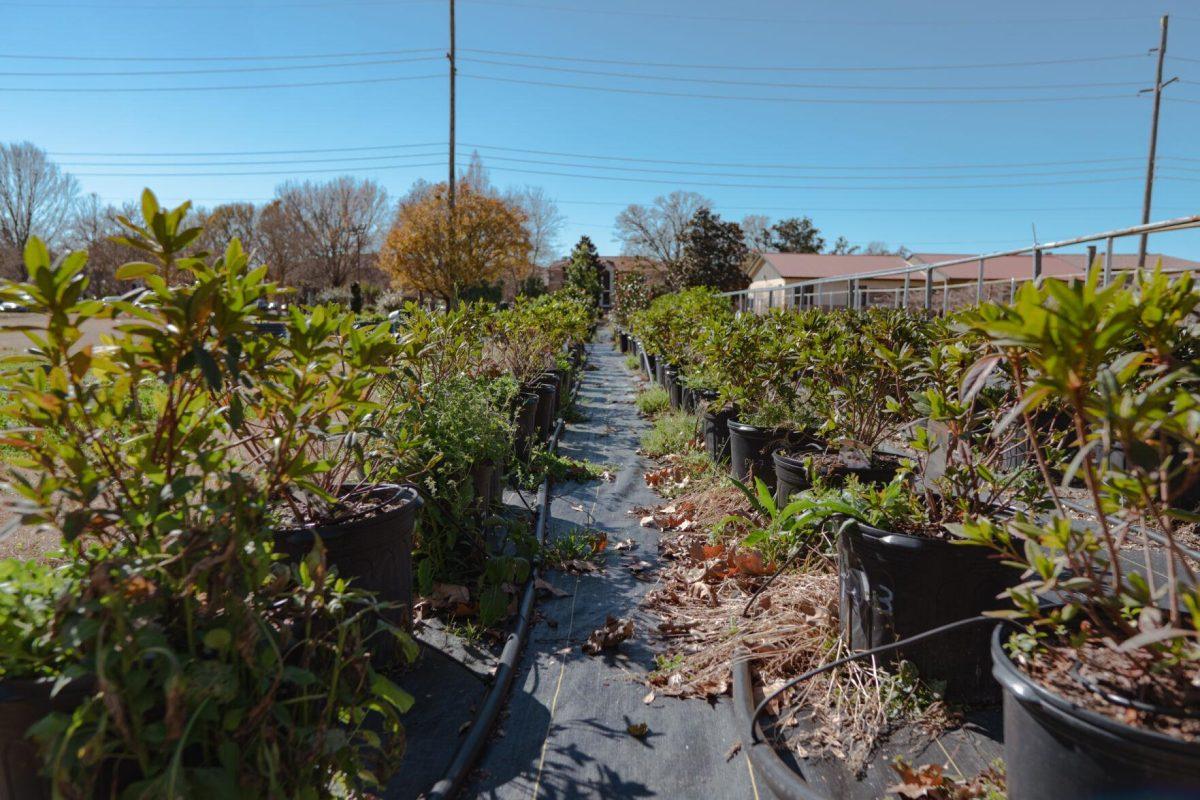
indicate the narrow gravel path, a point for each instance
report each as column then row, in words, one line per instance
column 565, row 734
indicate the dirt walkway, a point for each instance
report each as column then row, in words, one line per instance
column 566, row 734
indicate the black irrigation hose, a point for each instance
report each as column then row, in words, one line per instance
column 481, row 727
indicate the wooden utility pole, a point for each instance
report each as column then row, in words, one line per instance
column 453, row 70
column 1158, row 87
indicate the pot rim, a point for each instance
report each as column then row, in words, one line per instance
column 412, row 499
column 1027, row 691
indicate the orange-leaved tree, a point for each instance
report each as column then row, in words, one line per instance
column 489, row 242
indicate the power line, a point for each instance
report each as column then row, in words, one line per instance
column 786, row 85
column 162, row 154
column 288, row 57
column 244, row 163
column 793, row 187
column 907, row 209
column 143, row 89
column 215, row 70
column 794, row 20
column 1041, row 173
column 783, row 68
column 805, row 100
column 266, row 172
column 1009, row 165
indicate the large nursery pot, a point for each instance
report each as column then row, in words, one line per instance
column 1054, row 749
column 893, row 586
column 689, row 399
column 660, row 371
column 559, row 376
column 650, row 362
column 674, row 388
column 22, row 703
column 716, row 430
column 373, row 547
column 526, row 422
column 482, row 480
column 547, row 392
column 791, row 476
column 750, row 449
column 623, row 341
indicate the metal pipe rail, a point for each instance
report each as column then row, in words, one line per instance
column 808, row 292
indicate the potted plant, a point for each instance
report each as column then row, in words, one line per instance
column 219, row 670
column 855, row 373
column 1100, row 685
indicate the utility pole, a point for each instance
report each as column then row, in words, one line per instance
column 1158, row 87
column 453, row 70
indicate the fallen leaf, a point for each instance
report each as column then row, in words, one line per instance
column 544, row 585
column 612, row 634
column 445, row 595
column 627, row 544
column 638, row 730
column 734, row 749
column 648, row 699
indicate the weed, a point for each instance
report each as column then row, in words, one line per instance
column 673, row 432
column 559, row 468
column 664, row 664
column 573, row 547
column 653, row 401
column 633, row 364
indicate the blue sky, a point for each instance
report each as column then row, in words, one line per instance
column 869, row 170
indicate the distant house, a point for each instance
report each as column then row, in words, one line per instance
column 790, row 272
column 612, row 267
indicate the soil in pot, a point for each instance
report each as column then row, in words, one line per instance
column 22, row 703
column 1073, row 743
column 370, row 542
column 896, row 585
column 791, row 473
column 750, row 449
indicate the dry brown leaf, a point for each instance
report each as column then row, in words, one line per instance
column 612, row 634
column 543, row 585
column 446, row 595
column 638, row 730
column 648, row 699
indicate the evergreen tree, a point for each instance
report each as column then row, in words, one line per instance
column 713, row 254
column 583, row 270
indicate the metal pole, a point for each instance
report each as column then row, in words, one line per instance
column 1091, row 260
column 907, row 279
column 928, row 289
column 1158, row 87
column 945, row 295
column 979, row 283
column 1012, row 289
column 1108, row 260
column 1037, row 265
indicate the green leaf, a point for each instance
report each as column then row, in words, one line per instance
column 134, row 270
column 384, row 689
column 218, row 639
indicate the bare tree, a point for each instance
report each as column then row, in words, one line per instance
column 227, row 222
column 36, row 197
column 757, row 231
column 543, row 222
column 656, row 231
column 90, row 229
column 337, row 224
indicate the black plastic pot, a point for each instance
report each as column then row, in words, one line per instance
column 22, row 703
column 481, row 484
column 623, row 341
column 791, row 476
column 1054, row 749
column 547, row 394
column 660, row 372
column 689, row 399
column 650, row 362
column 750, row 449
column 716, row 432
column 374, row 548
column 893, row 585
column 526, row 422
column 674, row 388
column 559, row 376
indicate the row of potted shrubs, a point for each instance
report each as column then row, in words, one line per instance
column 912, row 438
column 241, row 500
